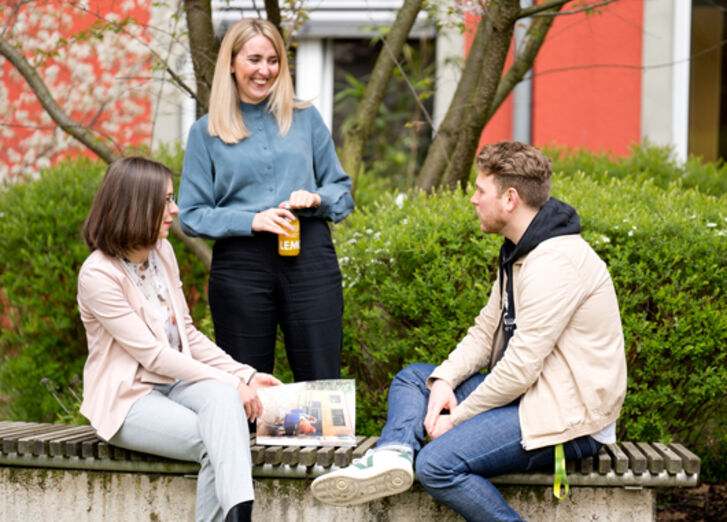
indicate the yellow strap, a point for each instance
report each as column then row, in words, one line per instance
column 561, row 478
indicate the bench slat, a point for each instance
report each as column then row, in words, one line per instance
column 11, row 427
column 291, row 455
column 586, row 465
column 325, row 456
column 636, row 458
column 104, row 450
column 604, row 461
column 362, row 448
column 673, row 462
column 258, row 455
column 690, row 461
column 72, row 447
column 273, row 455
column 10, row 441
column 620, row 460
column 342, row 456
column 57, row 446
column 41, row 444
column 307, row 456
column 653, row 458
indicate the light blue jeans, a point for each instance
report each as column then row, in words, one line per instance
column 202, row 422
column 454, row 467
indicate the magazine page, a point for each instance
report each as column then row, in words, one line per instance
column 310, row 413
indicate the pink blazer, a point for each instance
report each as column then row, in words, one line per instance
column 128, row 352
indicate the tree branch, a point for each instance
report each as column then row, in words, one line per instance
column 49, row 103
column 360, row 129
column 540, row 9
column 524, row 62
column 120, row 29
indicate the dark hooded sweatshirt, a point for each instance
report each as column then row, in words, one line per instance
column 555, row 218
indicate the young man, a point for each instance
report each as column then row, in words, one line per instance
column 551, row 338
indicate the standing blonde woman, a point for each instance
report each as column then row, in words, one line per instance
column 258, row 155
column 152, row 382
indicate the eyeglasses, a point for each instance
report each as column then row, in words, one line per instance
column 170, row 199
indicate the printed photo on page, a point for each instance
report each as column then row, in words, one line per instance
column 311, row 413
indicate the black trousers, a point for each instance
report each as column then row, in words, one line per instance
column 252, row 289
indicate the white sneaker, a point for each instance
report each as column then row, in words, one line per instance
column 375, row 475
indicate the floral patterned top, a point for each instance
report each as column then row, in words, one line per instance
column 148, row 277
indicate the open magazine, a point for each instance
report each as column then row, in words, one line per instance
column 311, row 413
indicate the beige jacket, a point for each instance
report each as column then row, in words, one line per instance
column 128, row 352
column 566, row 358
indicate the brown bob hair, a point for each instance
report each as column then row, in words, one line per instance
column 128, row 209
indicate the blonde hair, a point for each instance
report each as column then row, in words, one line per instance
column 225, row 119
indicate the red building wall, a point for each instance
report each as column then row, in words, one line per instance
column 100, row 78
column 586, row 82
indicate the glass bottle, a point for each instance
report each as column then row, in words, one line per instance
column 290, row 245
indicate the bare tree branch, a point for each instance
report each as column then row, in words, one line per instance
column 523, row 63
column 543, row 9
column 167, row 68
column 49, row 103
column 360, row 128
column 11, row 16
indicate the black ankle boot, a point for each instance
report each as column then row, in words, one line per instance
column 241, row 512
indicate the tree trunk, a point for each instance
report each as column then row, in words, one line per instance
column 440, row 150
column 503, row 18
column 203, row 48
column 360, row 129
column 272, row 9
column 524, row 62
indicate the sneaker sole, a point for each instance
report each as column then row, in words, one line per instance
column 349, row 491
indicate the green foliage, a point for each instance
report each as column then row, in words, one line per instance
column 417, row 274
column 400, row 120
column 40, row 254
column 644, row 162
column 43, row 340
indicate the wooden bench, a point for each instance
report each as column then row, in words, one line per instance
column 32, row 446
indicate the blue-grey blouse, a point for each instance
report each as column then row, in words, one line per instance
column 224, row 185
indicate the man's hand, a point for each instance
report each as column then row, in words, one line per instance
column 442, row 426
column 441, row 397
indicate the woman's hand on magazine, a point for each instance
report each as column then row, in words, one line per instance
column 250, row 400
column 263, row 380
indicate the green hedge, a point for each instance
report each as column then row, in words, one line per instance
column 644, row 162
column 416, row 275
column 42, row 343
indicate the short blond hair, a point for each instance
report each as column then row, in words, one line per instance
column 225, row 119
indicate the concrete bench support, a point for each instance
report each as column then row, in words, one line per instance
column 92, row 496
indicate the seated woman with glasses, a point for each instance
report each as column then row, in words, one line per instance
column 152, row 381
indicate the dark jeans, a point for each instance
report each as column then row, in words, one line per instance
column 454, row 467
column 252, row 290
